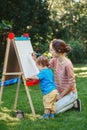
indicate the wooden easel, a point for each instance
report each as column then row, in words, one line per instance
column 19, row 73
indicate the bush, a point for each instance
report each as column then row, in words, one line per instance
column 78, row 52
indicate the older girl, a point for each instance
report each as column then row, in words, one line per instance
column 64, row 76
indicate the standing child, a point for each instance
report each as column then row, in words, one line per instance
column 47, row 86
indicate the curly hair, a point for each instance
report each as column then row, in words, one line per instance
column 43, row 60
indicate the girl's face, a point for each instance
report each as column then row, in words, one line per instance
column 52, row 51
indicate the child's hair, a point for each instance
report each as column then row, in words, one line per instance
column 60, row 46
column 43, row 60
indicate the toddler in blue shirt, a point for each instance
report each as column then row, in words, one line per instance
column 47, row 85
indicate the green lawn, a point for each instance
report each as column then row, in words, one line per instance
column 70, row 120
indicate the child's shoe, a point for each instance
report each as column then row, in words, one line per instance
column 52, row 115
column 46, row 116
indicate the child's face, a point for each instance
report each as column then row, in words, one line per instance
column 40, row 67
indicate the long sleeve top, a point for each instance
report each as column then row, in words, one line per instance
column 63, row 74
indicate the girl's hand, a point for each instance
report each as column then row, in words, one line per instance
column 59, row 97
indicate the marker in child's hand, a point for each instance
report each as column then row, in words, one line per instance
column 34, row 54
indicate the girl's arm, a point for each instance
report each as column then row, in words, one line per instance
column 67, row 90
column 71, row 80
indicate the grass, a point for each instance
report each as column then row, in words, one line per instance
column 70, row 120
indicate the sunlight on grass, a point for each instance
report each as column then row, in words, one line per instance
column 30, row 116
column 5, row 115
column 80, row 68
column 5, row 109
column 69, row 120
column 9, row 119
column 80, row 71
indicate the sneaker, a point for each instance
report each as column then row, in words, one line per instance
column 79, row 105
column 46, row 116
column 52, row 115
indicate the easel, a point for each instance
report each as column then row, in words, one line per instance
column 19, row 73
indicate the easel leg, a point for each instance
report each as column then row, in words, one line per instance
column 1, row 89
column 4, row 69
column 17, row 91
column 30, row 101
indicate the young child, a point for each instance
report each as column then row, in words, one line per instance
column 47, row 85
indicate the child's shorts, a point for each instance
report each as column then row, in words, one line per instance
column 50, row 99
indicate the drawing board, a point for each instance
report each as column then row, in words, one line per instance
column 25, row 50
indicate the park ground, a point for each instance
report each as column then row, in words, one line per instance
column 70, row 120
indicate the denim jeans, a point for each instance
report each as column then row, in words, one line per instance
column 65, row 103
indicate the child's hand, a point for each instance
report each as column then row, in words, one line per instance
column 34, row 55
column 59, row 97
column 27, row 79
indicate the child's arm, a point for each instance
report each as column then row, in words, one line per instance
column 32, row 77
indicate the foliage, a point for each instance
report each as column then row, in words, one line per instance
column 31, row 16
column 44, row 20
column 2, row 52
column 78, row 53
column 69, row 120
column 28, row 16
column 69, row 19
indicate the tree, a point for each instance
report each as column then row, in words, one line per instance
column 69, row 19
column 30, row 16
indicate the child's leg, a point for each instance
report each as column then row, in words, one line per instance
column 47, row 111
column 49, row 102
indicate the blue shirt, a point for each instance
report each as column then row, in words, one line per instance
column 46, row 78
